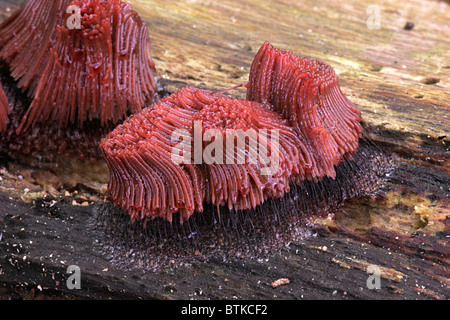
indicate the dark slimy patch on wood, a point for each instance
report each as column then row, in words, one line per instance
column 229, row 234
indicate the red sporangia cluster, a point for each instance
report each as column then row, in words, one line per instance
column 4, row 109
column 306, row 92
column 103, row 72
column 300, row 98
column 26, row 37
column 100, row 70
column 147, row 181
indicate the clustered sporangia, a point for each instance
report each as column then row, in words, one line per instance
column 82, row 79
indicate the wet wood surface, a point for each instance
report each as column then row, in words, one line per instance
column 400, row 79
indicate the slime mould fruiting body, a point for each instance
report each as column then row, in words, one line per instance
column 68, row 85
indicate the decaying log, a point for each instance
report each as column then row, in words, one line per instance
column 398, row 77
column 40, row 241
